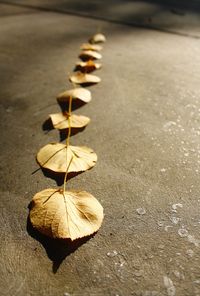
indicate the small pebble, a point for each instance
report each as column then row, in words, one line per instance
column 166, row 227
column 112, row 254
column 175, row 206
column 183, row 232
column 160, row 223
column 141, row 211
column 190, row 252
column 175, row 220
column 161, row 247
column 138, row 273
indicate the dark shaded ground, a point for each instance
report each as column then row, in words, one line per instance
column 145, row 130
column 179, row 17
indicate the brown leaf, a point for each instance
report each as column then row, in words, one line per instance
column 73, row 214
column 57, row 156
column 90, row 55
column 82, row 78
column 89, row 46
column 97, row 38
column 60, row 120
column 76, row 93
column 88, row 66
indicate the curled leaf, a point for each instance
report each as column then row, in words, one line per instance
column 97, row 38
column 76, row 93
column 57, row 157
column 82, row 78
column 90, row 55
column 89, row 46
column 60, row 120
column 69, row 214
column 88, row 66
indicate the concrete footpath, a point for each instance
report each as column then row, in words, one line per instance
column 144, row 128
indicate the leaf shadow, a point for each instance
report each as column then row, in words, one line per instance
column 59, row 177
column 87, row 84
column 74, row 131
column 76, row 105
column 57, row 249
column 47, row 126
column 86, row 58
column 79, row 68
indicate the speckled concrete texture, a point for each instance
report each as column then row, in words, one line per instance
column 145, row 130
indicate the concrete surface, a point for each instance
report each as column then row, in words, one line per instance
column 174, row 16
column 145, row 130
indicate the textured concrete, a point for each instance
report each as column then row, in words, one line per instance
column 174, row 16
column 145, row 130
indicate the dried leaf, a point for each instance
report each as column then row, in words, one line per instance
column 73, row 214
column 76, row 93
column 97, row 38
column 82, row 78
column 89, row 46
column 87, row 67
column 57, row 156
column 90, row 55
column 60, row 120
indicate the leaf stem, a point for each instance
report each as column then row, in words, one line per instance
column 69, row 121
column 65, row 178
column 67, row 142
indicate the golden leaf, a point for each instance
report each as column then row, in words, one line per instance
column 69, row 214
column 88, row 66
column 90, row 55
column 97, row 38
column 76, row 93
column 82, row 78
column 60, row 120
column 57, row 158
column 89, row 46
